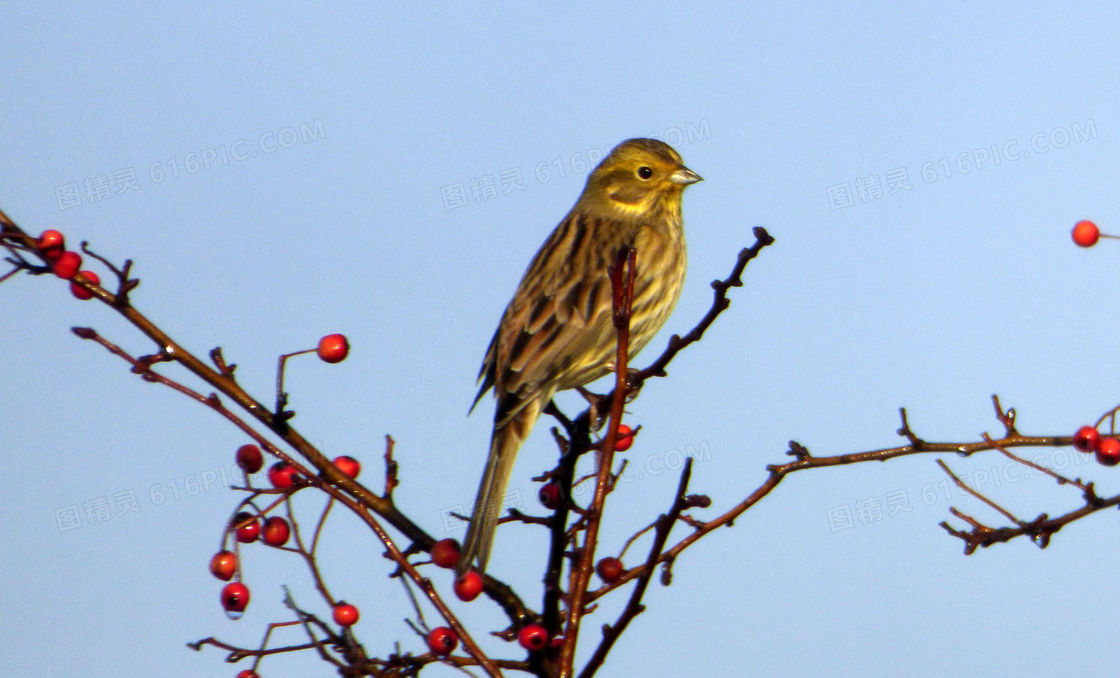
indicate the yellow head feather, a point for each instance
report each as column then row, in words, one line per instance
column 640, row 177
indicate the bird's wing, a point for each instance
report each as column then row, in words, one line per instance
column 559, row 320
column 486, row 375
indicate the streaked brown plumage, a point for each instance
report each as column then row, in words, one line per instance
column 557, row 331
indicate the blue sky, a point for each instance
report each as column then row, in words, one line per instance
column 282, row 172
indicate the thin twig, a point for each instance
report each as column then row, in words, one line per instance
column 307, row 620
column 634, row 606
column 1062, row 480
column 804, row 461
column 960, row 483
column 319, row 527
column 719, row 305
column 391, row 481
column 309, row 555
column 636, row 535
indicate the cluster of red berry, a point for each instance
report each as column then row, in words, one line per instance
column 51, row 245
column 442, row 641
column 533, row 637
column 1089, row 440
column 275, row 531
column 64, row 263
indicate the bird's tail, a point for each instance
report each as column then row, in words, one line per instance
column 504, row 443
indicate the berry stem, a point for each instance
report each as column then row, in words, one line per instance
column 281, row 397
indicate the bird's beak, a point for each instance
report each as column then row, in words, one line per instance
column 684, row 177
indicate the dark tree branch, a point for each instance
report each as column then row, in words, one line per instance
column 719, row 305
column 1039, row 530
column 145, row 370
column 804, row 460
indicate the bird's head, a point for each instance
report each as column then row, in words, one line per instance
column 638, row 178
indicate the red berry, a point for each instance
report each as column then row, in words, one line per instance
column 345, row 614
column 442, row 641
column 1086, row 233
column 469, row 586
column 235, row 597
column 276, row 531
column 51, row 244
column 445, row 552
column 1086, row 438
column 1108, row 451
column 549, row 495
column 625, row 438
column 282, row 475
column 249, row 458
column 67, row 265
column 333, row 348
column 223, row 565
column 248, row 673
column 348, row 465
column 81, row 292
column 533, row 637
column 248, row 532
column 610, row 569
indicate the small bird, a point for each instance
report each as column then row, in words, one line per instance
column 557, row 332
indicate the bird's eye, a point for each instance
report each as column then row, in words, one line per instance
column 645, row 172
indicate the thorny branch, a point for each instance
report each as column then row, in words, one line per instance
column 573, row 442
column 803, row 460
column 576, row 441
column 634, row 606
column 719, row 305
column 224, row 381
column 144, row 369
column 622, row 281
column 1038, row 530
